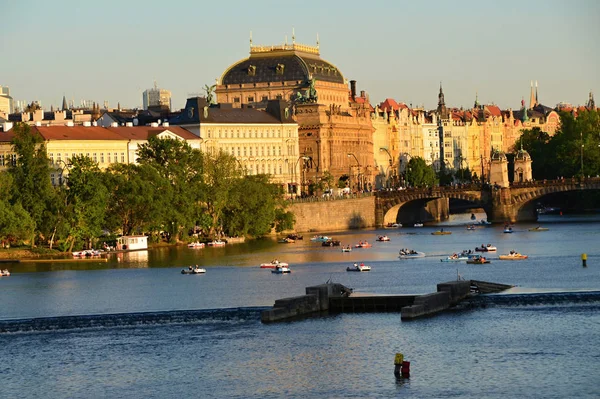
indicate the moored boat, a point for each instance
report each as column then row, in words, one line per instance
column 273, row 264
column 486, row 248
column 86, row 253
column 418, row 224
column 320, row 238
column 4, row 273
column 383, row 238
column 193, row 270
column 358, row 268
column 393, row 225
column 477, row 260
column 513, row 255
column 410, row 253
column 216, row 243
column 196, row 245
column 281, row 270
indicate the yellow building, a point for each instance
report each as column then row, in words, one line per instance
column 263, row 141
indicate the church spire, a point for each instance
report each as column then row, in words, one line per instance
column 64, row 104
column 591, row 104
column 536, row 94
column 442, row 111
column 531, row 97
column 476, row 105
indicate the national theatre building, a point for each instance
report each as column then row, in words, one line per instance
column 335, row 132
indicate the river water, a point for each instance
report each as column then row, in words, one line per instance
column 135, row 327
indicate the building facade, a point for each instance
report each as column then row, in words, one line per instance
column 263, row 141
column 334, row 123
column 156, row 99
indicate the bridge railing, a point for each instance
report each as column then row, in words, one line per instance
column 555, row 182
column 314, row 198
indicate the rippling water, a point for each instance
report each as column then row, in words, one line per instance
column 115, row 331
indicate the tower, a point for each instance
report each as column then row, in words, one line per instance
column 442, row 111
column 64, row 104
column 591, row 104
column 533, row 96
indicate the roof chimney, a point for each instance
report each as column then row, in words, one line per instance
column 154, row 124
column 87, row 124
column 114, row 124
column 165, row 124
column 94, row 123
column 353, row 89
column 129, row 124
column 70, row 123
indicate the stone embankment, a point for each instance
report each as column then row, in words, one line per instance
column 336, row 298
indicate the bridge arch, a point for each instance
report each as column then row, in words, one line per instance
column 412, row 205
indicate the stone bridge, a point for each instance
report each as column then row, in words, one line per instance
column 515, row 203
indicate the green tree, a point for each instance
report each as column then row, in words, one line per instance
column 31, row 176
column 88, row 197
column 183, row 167
column 15, row 223
column 221, row 171
column 419, row 174
column 139, row 198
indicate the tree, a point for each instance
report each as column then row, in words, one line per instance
column 183, row 167
column 88, row 196
column 419, row 174
column 31, row 175
column 221, row 170
column 15, row 222
column 138, row 198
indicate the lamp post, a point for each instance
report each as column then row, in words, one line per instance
column 391, row 162
column 358, row 170
column 581, row 154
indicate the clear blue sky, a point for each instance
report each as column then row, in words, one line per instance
column 114, row 50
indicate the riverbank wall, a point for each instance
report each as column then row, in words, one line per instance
column 334, row 215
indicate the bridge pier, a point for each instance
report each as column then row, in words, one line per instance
column 504, row 209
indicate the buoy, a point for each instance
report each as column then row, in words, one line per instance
column 405, row 369
column 398, row 361
column 584, row 260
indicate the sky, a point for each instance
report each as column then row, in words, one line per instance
column 114, row 50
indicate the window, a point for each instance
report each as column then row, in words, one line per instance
column 1, row 159
column 122, row 157
column 250, row 151
column 250, row 99
column 108, row 157
column 58, row 158
column 52, row 179
column 244, row 151
column 95, row 158
column 238, row 151
column 87, row 154
column 13, row 159
column 280, row 152
column 279, row 97
column 101, row 157
column 238, row 134
column 265, row 98
column 51, row 156
column 268, row 151
column 116, row 159
column 280, row 170
column 236, row 100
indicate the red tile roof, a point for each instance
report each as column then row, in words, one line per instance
column 76, row 133
column 494, row 110
column 389, row 103
column 145, row 132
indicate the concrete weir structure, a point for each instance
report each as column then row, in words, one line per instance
column 336, row 298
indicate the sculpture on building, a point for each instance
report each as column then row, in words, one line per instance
column 309, row 96
column 209, row 93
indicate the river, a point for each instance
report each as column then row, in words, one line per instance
column 135, row 327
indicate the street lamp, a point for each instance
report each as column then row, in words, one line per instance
column 581, row 155
column 391, row 162
column 358, row 170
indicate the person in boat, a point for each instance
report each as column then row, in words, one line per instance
column 362, row 264
column 356, row 265
column 482, row 246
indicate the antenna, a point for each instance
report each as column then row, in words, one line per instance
column 317, row 40
column 293, row 36
column 250, row 38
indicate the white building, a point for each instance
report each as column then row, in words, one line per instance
column 156, row 98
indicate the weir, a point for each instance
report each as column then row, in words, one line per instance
column 336, row 298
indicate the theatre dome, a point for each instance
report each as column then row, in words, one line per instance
column 287, row 62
